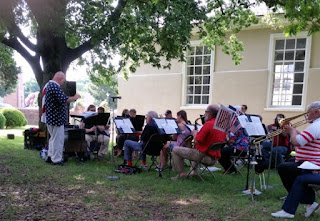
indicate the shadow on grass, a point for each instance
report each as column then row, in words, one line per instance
column 32, row 189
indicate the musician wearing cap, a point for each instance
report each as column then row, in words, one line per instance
column 294, row 179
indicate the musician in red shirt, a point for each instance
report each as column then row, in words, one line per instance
column 203, row 139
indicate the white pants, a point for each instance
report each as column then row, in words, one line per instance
column 56, row 143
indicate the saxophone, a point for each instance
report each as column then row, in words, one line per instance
column 195, row 123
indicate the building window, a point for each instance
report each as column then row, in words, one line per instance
column 198, row 75
column 288, row 71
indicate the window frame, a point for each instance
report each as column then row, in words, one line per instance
column 184, row 71
column 273, row 38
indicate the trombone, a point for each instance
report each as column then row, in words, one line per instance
column 282, row 122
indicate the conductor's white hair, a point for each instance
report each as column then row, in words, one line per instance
column 314, row 105
column 152, row 114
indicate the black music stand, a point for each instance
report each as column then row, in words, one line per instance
column 138, row 122
column 113, row 177
column 98, row 119
column 252, row 126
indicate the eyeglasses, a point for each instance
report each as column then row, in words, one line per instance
column 207, row 111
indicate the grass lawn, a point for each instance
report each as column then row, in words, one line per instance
column 31, row 189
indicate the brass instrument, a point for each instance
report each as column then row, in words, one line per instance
column 282, row 122
column 195, row 123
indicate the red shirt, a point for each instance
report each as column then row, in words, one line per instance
column 207, row 136
column 279, row 140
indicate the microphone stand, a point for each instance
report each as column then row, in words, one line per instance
column 113, row 177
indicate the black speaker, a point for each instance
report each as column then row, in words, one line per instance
column 71, row 87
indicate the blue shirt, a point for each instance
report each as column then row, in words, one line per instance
column 55, row 104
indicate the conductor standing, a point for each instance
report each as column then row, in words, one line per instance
column 54, row 115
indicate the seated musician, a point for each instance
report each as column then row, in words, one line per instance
column 134, row 137
column 178, row 139
column 168, row 114
column 203, row 139
column 307, row 149
column 130, row 146
column 281, row 142
column 125, row 113
column 96, row 133
column 237, row 146
column 244, row 108
column 300, row 193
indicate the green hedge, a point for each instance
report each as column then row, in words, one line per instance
column 14, row 118
column 2, row 121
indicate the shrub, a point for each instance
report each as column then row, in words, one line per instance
column 14, row 118
column 2, row 121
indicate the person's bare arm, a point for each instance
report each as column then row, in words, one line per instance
column 293, row 134
column 73, row 98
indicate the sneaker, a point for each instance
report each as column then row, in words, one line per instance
column 144, row 167
column 283, row 198
column 158, row 169
column 61, row 163
column 282, row 214
column 311, row 209
column 48, row 160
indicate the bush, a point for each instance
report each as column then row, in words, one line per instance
column 2, row 121
column 14, row 118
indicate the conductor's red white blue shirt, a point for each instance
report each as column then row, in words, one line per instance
column 54, row 105
column 309, row 140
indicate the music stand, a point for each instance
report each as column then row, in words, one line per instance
column 167, row 126
column 97, row 119
column 252, row 127
column 138, row 122
column 124, row 125
column 112, row 177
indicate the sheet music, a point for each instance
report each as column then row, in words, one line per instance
column 253, row 127
column 169, row 129
column 172, row 123
column 125, row 125
column 309, row 166
column 126, row 129
column 191, row 126
column 160, row 122
column 118, row 122
column 85, row 114
column 128, row 122
column 199, row 127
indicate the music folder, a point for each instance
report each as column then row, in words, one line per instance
column 124, row 125
column 167, row 125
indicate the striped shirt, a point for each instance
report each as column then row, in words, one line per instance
column 309, row 141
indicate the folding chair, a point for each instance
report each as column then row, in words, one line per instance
column 316, row 189
column 242, row 157
column 153, row 148
column 212, row 147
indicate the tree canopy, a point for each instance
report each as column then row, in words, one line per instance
column 133, row 31
column 8, row 71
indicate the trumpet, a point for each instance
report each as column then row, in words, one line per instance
column 282, row 122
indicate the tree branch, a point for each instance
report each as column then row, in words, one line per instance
column 73, row 54
column 15, row 44
column 15, row 30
